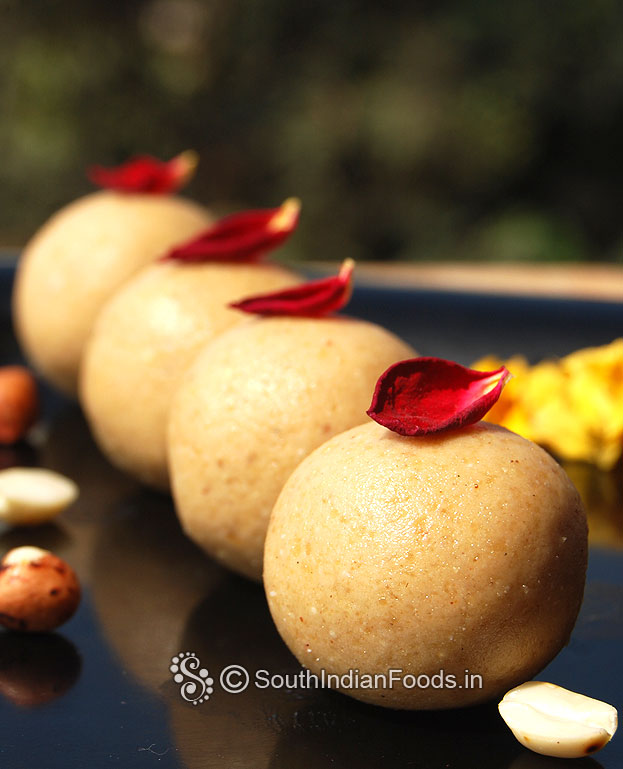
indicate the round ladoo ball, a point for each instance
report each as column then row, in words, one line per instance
column 457, row 561
column 144, row 339
column 252, row 406
column 78, row 259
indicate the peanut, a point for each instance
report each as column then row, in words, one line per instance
column 30, row 496
column 557, row 722
column 19, row 403
column 38, row 590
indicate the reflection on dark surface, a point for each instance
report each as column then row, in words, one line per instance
column 347, row 734
column 246, row 635
column 105, row 719
column 147, row 576
column 528, row 760
column 36, row 668
column 297, row 727
column 232, row 626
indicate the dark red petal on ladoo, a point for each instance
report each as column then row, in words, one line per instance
column 421, row 396
column 146, row 174
column 314, row 299
column 243, row 237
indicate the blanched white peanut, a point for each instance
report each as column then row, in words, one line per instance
column 557, row 722
column 32, row 495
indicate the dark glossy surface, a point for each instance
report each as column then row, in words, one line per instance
column 99, row 692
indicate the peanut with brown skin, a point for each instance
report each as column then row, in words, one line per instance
column 19, row 403
column 38, row 590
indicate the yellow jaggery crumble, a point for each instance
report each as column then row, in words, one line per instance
column 572, row 406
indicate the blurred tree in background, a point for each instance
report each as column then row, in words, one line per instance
column 411, row 130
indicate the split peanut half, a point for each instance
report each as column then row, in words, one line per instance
column 30, row 496
column 557, row 722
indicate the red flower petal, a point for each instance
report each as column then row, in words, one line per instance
column 314, row 299
column 243, row 237
column 429, row 395
column 146, row 174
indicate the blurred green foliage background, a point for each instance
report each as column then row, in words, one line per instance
column 460, row 129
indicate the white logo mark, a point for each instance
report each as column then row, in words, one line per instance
column 195, row 688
